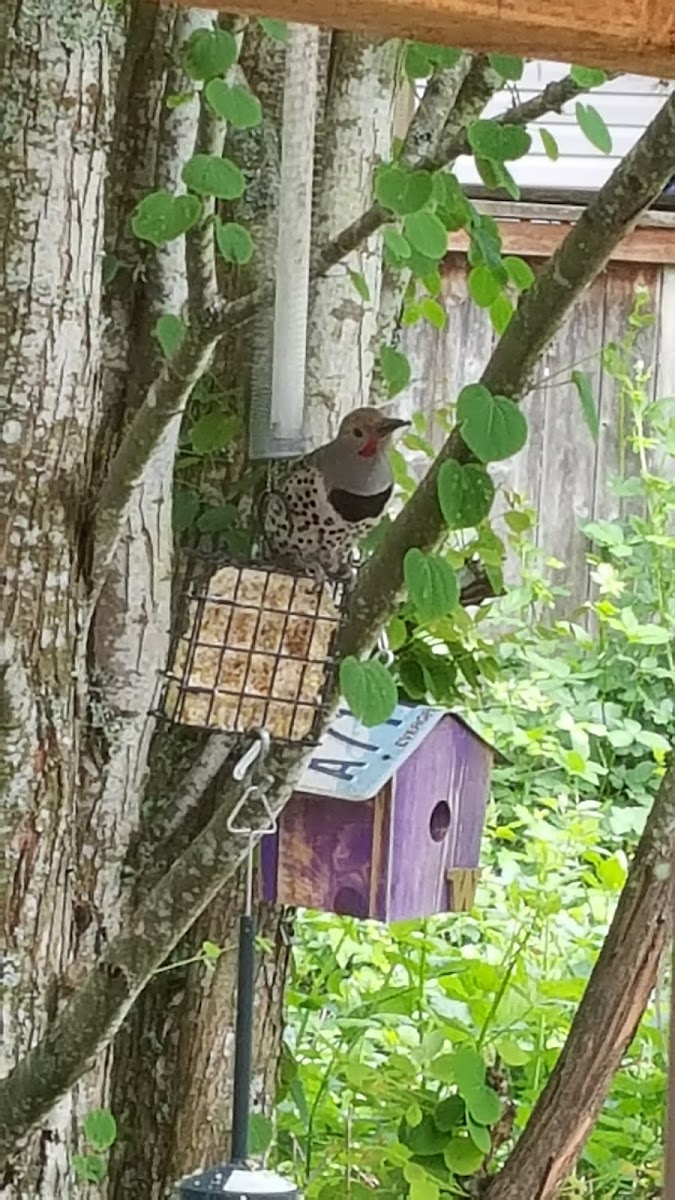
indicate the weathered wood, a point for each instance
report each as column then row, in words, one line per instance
column 523, row 210
column 560, row 472
column 622, row 35
column 539, row 240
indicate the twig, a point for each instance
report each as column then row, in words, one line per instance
column 200, row 255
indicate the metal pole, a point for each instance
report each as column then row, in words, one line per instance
column 241, row 1101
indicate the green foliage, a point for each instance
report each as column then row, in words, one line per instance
column 422, row 58
column 408, row 1044
column 499, row 143
column 159, row 217
column 432, row 585
column 509, row 66
column 275, row 29
column 588, row 77
column 369, row 689
column 234, row 103
column 551, row 148
column 493, row 427
column 395, row 369
column 465, row 494
column 588, row 406
column 170, row 332
column 210, row 175
column 100, row 1133
column 234, row 242
column 208, row 53
column 592, row 124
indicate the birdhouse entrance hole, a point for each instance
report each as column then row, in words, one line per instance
column 439, row 821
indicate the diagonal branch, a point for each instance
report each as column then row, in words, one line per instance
column 95, row 1010
column 606, row 1020
column 634, row 185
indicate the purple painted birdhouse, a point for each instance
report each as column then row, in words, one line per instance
column 387, row 822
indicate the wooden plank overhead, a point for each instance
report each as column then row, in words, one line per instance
column 539, row 239
column 622, row 35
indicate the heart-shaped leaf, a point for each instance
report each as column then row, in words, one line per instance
column 462, row 1157
column 235, row 104
column 369, row 690
column 100, row 1129
column 275, row 29
column 234, row 242
column 493, row 427
column 503, row 143
column 402, row 191
column 465, row 494
column 395, row 369
column 160, row 217
column 395, row 242
column 482, row 1103
column 426, row 234
column 209, row 52
column 210, row 175
column 483, row 287
column 169, row 331
column 431, row 583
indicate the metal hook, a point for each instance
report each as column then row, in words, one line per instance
column 256, row 753
column 384, row 652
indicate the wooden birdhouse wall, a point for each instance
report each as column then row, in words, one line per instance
column 387, row 856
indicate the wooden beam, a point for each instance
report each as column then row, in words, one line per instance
column 535, row 239
column 622, row 35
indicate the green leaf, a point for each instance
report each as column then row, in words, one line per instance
column 234, row 242
column 400, row 190
column 210, row 175
column 209, row 52
column 111, row 266
column 218, row 518
column 588, row 77
column 395, row 242
column 469, row 1068
column 159, row 217
column 594, row 127
column 479, row 1135
column 413, row 1114
column 426, row 233
column 177, row 99
column 502, row 143
column 395, row 369
column 211, row 951
column 424, row 1138
column 432, row 585
column 482, row 1103
column 509, row 66
column 424, row 1189
column 260, row 1133
column 360, row 284
column 169, row 331
column 465, row 494
column 449, row 1113
column 234, row 103
column 275, row 29
column 462, row 1157
column 520, row 272
column 583, row 385
column 550, row 145
column 511, row 1053
column 493, row 427
column 89, row 1168
column 100, row 1129
column 433, row 312
column 416, row 61
column 212, row 432
column 369, row 690
column 483, row 287
column 501, row 311
column 186, row 505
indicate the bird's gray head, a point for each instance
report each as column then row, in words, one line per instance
column 367, row 432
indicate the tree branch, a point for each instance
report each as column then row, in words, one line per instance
column 606, row 1020
column 200, row 254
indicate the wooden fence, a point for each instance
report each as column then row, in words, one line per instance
column 562, row 472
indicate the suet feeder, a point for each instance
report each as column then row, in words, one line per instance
column 229, row 1180
column 256, row 653
column 386, row 822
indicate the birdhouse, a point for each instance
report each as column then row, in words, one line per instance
column 256, row 651
column 386, row 822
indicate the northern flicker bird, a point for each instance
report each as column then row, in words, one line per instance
column 316, row 510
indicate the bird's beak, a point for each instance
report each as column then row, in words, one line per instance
column 388, row 425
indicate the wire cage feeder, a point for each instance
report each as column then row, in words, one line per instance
column 257, row 652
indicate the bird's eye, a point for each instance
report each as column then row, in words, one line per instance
column 358, row 433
